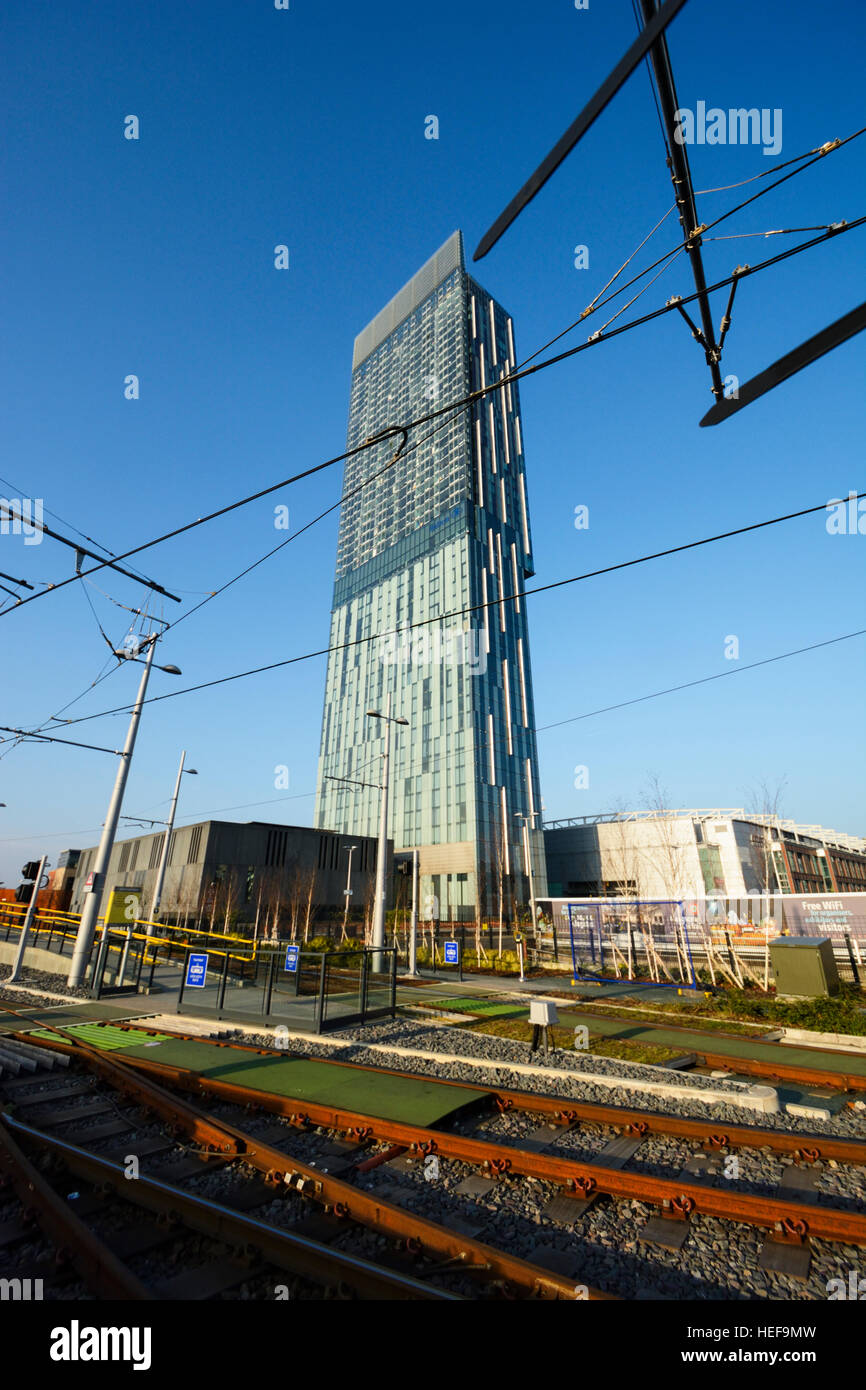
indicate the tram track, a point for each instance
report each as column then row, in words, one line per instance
column 430, row 1257
column 790, row 1218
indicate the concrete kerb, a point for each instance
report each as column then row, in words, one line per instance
column 762, row 1100
column 834, row 1042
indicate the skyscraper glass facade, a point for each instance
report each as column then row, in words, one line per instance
column 442, row 530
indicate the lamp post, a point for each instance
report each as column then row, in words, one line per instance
column 84, row 938
column 166, row 844
column 379, row 903
column 347, row 891
column 527, row 860
column 413, row 934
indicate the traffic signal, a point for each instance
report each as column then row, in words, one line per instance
column 24, row 891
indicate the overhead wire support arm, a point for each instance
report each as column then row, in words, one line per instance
column 26, row 734
column 676, row 302
column 578, row 128
column 8, row 512
column 726, row 319
column 683, row 190
column 829, row 338
column 353, row 782
column 22, row 583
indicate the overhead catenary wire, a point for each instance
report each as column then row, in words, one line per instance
column 68, row 524
column 25, row 734
column 465, row 403
column 598, row 303
column 10, row 513
column 471, row 399
column 384, row 434
column 22, row 583
column 288, row 540
column 704, row 680
column 222, row 511
column 473, row 608
column 543, row 728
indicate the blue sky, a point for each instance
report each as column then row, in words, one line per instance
column 306, row 127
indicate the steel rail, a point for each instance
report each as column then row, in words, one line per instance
column 564, row 1108
column 340, row 1198
column 100, row 1269
column 781, row 1071
column 582, row 1179
column 298, row 1254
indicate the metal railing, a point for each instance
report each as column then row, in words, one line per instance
column 326, row 989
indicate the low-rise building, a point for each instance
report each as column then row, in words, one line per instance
column 698, row 853
column 222, row 871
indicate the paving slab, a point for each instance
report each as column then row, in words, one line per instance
column 617, row 1152
column 660, row 1230
column 474, row 1187
column 797, row 1180
column 785, row 1257
column 403, row 1163
column 539, row 1139
column 557, row 1261
column 566, row 1210
column 207, row 1281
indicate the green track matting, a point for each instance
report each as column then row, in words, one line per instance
column 487, row 1008
column 416, row 1102
column 105, row 1036
column 722, row 1044
column 642, row 1031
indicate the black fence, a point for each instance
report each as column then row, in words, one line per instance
column 311, row 991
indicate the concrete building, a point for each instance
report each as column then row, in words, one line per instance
column 443, row 529
column 223, row 870
column 699, row 853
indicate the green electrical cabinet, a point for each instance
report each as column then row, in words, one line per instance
column 804, row 966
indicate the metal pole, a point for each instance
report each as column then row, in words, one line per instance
column 683, row 191
column 90, row 913
column 25, row 930
column 851, row 957
column 347, row 892
column 125, row 957
column 166, row 845
column 413, row 929
column 531, row 875
column 379, row 902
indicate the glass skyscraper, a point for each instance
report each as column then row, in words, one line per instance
column 444, row 529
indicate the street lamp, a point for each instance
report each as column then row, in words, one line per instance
column 84, row 938
column 166, row 844
column 347, row 891
column 527, row 859
column 379, row 904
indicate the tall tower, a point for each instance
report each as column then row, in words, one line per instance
column 443, row 529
